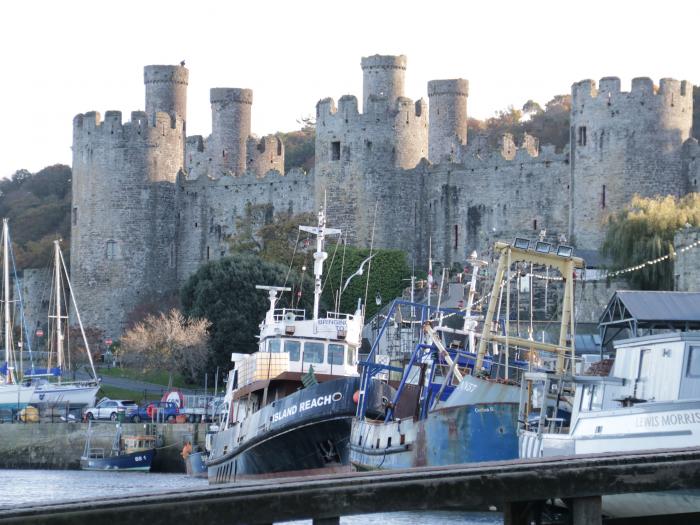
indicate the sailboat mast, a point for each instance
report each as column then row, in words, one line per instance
column 59, row 332
column 6, row 296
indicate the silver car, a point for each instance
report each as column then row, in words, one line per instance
column 110, row 409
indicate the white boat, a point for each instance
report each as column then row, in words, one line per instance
column 650, row 400
column 72, row 393
column 13, row 395
column 289, row 406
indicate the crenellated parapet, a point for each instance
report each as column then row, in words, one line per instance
column 625, row 143
column 265, row 155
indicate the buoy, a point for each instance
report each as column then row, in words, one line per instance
column 356, row 397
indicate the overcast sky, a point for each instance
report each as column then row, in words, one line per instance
column 66, row 57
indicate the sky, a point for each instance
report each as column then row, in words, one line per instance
column 64, row 58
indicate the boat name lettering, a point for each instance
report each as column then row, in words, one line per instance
column 467, row 387
column 332, row 322
column 480, row 410
column 307, row 405
column 681, row 418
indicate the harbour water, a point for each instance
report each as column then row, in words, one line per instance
column 32, row 487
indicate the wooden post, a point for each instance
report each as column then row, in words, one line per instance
column 587, row 511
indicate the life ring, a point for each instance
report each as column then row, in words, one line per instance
column 150, row 410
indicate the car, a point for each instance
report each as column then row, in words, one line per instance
column 110, row 408
column 155, row 410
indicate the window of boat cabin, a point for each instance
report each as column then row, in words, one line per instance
column 693, row 369
column 351, row 355
column 336, row 354
column 274, row 346
column 592, row 398
column 313, row 352
column 293, row 348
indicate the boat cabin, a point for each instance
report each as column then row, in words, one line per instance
column 655, row 368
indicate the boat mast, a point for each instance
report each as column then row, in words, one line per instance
column 59, row 333
column 6, row 297
column 319, row 255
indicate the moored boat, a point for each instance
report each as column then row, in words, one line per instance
column 288, row 406
column 455, row 403
column 129, row 452
column 50, row 388
column 647, row 399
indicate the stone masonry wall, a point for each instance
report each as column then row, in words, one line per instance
column 686, row 266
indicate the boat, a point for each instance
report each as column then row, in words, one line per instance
column 51, row 389
column 288, row 406
column 455, row 403
column 14, row 395
column 646, row 398
column 129, row 452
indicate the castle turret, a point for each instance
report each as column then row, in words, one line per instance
column 448, row 118
column 230, row 117
column 624, row 143
column 383, row 78
column 166, row 91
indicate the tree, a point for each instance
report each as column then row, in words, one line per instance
column 168, row 342
column 300, row 145
column 223, row 291
column 644, row 231
column 386, row 277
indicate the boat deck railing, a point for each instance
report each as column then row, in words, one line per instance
column 96, row 453
column 339, row 315
column 289, row 314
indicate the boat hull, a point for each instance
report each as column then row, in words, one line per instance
column 478, row 422
column 447, row 436
column 71, row 394
column 662, row 425
column 134, row 461
column 306, row 432
column 15, row 396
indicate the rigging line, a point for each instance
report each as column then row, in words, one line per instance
column 371, row 248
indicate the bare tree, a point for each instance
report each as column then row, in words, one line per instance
column 168, row 342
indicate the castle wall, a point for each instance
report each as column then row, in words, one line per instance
column 624, row 143
column 686, row 266
column 35, row 285
column 123, row 218
column 209, row 210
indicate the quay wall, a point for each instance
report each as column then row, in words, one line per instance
column 60, row 445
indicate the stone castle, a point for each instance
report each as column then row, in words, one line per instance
column 151, row 204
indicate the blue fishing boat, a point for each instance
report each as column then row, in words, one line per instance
column 129, row 452
column 455, row 402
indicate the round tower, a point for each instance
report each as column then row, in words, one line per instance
column 230, row 121
column 383, row 77
column 166, row 91
column 624, row 143
column 124, row 214
column 447, row 122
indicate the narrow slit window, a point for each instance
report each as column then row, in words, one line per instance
column 456, row 236
column 602, row 198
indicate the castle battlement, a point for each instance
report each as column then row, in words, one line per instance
column 670, row 93
column 479, row 153
column 90, row 125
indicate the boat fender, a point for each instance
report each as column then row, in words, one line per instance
column 356, row 397
column 150, row 410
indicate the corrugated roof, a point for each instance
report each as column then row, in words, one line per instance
column 661, row 306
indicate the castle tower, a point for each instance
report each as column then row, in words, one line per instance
column 230, row 117
column 383, row 77
column 166, row 91
column 124, row 216
column 447, row 118
column 624, row 143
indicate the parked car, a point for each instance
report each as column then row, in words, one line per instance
column 156, row 410
column 110, row 408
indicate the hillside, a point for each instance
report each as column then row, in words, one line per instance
column 38, row 208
